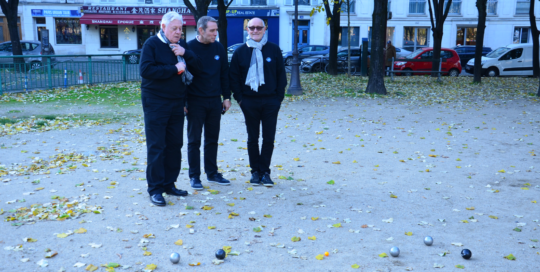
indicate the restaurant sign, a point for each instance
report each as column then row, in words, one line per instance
column 132, row 10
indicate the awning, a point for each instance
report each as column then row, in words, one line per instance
column 123, row 19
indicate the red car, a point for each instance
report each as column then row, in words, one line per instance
column 451, row 63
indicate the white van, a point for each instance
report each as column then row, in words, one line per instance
column 511, row 60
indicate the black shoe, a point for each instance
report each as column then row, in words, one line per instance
column 218, row 178
column 255, row 179
column 175, row 192
column 196, row 183
column 158, row 200
column 266, row 181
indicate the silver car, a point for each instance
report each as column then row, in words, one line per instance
column 28, row 48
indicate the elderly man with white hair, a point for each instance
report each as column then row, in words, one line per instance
column 258, row 80
column 164, row 79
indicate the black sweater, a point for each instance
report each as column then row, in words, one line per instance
column 158, row 71
column 213, row 77
column 275, row 77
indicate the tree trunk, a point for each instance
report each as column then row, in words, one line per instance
column 10, row 10
column 378, row 37
column 200, row 10
column 222, row 23
column 437, row 15
column 481, row 6
column 334, row 21
column 349, row 38
column 535, row 36
column 437, row 41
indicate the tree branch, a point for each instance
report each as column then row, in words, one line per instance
column 227, row 6
column 327, row 9
column 431, row 15
column 447, row 9
column 187, row 3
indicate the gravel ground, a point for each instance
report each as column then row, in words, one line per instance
column 354, row 177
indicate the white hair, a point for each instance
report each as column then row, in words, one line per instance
column 170, row 16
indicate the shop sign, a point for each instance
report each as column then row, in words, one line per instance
column 132, row 10
column 246, row 12
column 55, row 13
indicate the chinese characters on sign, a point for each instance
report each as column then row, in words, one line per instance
column 133, row 10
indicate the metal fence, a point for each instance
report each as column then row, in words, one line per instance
column 62, row 71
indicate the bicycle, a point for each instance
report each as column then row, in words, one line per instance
column 342, row 66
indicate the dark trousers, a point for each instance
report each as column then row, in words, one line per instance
column 257, row 111
column 203, row 112
column 164, row 126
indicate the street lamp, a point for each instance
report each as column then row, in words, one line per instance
column 295, row 88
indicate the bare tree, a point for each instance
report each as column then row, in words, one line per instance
column 333, row 18
column 535, row 35
column 438, row 15
column 222, row 6
column 481, row 6
column 379, row 21
column 349, row 38
column 10, row 10
column 199, row 11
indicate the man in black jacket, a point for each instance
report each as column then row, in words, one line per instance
column 163, row 93
column 204, row 105
column 258, row 80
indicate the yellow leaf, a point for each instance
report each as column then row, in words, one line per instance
column 39, row 189
column 62, row 235
column 230, row 204
column 534, row 201
column 502, row 171
column 227, row 249
column 91, row 268
column 433, row 156
column 149, row 235
column 383, row 255
column 458, row 159
column 250, row 188
column 464, row 221
column 314, row 218
column 30, row 240
column 80, row 231
column 393, row 196
column 147, row 253
column 150, row 267
column 296, row 239
column 355, row 266
column 336, row 162
column 408, row 233
column 338, row 225
column 355, row 161
column 470, row 209
column 524, row 188
column 211, row 227
column 296, row 159
column 189, row 226
column 319, row 257
column 179, row 242
column 493, row 217
column 319, row 132
column 312, row 238
column 207, row 208
column 510, row 257
column 427, row 170
column 458, row 166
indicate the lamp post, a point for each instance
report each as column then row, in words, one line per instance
column 295, row 88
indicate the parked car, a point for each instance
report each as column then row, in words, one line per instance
column 28, row 48
column 231, row 49
column 510, row 60
column 318, row 63
column 133, row 56
column 466, row 52
column 306, row 51
column 402, row 53
column 450, row 64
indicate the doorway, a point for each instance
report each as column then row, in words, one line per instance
column 303, row 33
column 145, row 32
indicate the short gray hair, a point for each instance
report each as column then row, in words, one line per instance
column 171, row 16
column 203, row 22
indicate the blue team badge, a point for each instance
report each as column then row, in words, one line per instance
column 268, row 59
column 216, row 57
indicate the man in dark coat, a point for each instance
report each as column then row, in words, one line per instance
column 163, row 87
column 204, row 105
column 390, row 53
column 258, row 80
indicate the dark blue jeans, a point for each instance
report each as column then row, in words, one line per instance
column 164, row 127
column 260, row 111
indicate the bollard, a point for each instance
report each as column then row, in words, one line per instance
column 81, row 81
column 65, row 78
column 392, row 71
column 25, row 83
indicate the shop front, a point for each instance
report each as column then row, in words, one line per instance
column 65, row 33
column 114, row 30
column 237, row 20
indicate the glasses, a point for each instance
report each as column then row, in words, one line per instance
column 259, row 28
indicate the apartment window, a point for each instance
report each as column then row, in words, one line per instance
column 68, row 31
column 150, row 2
column 303, row 3
column 213, row 3
column 258, row 2
column 455, row 7
column 107, row 1
column 351, row 7
column 522, row 6
column 417, row 6
column 415, row 37
column 353, row 33
column 108, row 37
column 521, row 34
column 492, row 7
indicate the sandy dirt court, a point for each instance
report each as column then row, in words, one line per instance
column 354, row 177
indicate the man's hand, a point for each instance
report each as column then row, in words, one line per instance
column 181, row 67
column 227, row 104
column 178, row 50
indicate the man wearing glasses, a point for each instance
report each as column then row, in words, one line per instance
column 258, row 80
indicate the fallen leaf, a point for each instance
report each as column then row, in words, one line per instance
column 179, row 242
column 150, row 267
column 460, row 266
column 312, row 238
column 510, row 257
column 383, row 255
column 408, row 233
column 80, row 231
column 91, row 268
column 319, row 257
column 147, row 253
column 207, row 208
column 331, row 182
column 296, row 239
column 355, row 266
column 314, row 218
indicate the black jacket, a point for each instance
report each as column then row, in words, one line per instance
column 158, row 71
column 275, row 77
column 213, row 77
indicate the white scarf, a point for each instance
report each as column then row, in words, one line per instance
column 255, row 76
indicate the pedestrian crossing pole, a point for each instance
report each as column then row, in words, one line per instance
column 65, row 78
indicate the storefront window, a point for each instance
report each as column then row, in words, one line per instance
column 108, row 37
column 353, row 33
column 68, row 31
column 466, row 36
column 415, row 37
column 390, row 34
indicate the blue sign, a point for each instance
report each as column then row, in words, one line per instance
column 246, row 13
column 56, row 13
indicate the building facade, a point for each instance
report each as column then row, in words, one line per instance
column 78, row 27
